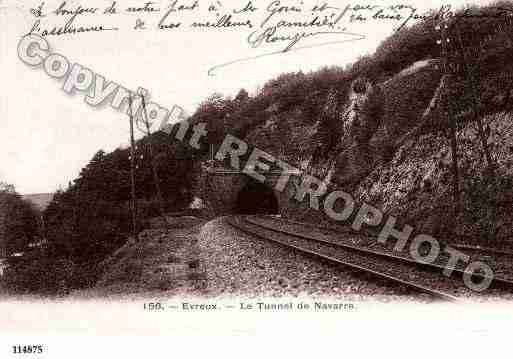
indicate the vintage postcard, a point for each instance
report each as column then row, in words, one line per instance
column 255, row 178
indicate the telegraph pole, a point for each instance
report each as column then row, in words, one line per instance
column 133, row 203
column 156, row 178
column 443, row 41
column 476, row 113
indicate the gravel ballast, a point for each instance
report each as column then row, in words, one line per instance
column 237, row 264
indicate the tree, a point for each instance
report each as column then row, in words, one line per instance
column 242, row 96
column 18, row 221
column 6, row 187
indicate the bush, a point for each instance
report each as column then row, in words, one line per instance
column 488, row 201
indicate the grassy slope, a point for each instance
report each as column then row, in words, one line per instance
column 164, row 260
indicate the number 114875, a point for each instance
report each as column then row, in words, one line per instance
column 27, row 349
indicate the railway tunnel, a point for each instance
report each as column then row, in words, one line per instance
column 256, row 198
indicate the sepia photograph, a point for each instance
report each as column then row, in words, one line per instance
column 190, row 177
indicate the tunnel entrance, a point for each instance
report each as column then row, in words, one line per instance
column 256, row 198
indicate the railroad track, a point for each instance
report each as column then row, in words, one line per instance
column 422, row 277
column 477, row 249
column 483, row 250
column 499, row 281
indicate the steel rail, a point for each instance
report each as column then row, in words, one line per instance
column 242, row 225
column 496, row 281
column 471, row 247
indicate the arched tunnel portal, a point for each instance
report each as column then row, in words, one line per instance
column 256, row 198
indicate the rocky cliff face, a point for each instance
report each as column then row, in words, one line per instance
column 409, row 176
column 370, row 114
column 417, row 184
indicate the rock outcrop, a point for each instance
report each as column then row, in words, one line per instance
column 388, row 144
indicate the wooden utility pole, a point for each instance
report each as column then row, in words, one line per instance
column 156, row 178
column 476, row 116
column 133, row 203
column 444, row 41
column 476, row 113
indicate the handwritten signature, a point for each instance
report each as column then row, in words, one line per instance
column 268, row 36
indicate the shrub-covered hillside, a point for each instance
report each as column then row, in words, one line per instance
column 479, row 58
column 414, row 89
column 91, row 217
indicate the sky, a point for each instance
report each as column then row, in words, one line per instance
column 47, row 135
